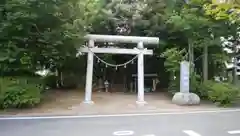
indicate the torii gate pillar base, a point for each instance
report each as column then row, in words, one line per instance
column 88, row 102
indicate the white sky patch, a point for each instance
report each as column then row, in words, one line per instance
column 234, row 132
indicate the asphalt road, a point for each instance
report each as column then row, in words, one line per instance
column 202, row 124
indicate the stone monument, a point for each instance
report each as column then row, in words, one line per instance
column 184, row 97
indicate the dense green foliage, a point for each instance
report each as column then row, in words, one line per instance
column 38, row 34
column 223, row 94
column 19, row 92
column 45, row 34
column 173, row 58
column 41, row 34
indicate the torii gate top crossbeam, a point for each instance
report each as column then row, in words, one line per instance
column 123, row 39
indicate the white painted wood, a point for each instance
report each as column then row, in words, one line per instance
column 88, row 86
column 117, row 51
column 123, row 39
column 140, row 75
column 191, row 133
column 91, row 43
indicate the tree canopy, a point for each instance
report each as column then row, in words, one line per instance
column 36, row 34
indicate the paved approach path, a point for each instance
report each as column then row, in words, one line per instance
column 70, row 103
column 187, row 124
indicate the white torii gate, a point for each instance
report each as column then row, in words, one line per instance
column 140, row 41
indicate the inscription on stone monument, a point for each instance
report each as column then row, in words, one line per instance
column 184, row 77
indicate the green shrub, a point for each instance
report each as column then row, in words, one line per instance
column 50, row 81
column 220, row 93
column 16, row 92
column 202, row 90
column 70, row 81
column 195, row 82
column 174, row 84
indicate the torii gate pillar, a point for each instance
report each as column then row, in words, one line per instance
column 140, row 99
column 89, row 75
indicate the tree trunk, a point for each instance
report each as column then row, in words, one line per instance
column 57, row 77
column 235, row 66
column 235, row 76
column 205, row 63
column 191, row 58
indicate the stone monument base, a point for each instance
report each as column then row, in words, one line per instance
column 186, row 99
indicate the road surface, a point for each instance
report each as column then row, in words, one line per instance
column 201, row 124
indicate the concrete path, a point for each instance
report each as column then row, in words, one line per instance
column 169, row 124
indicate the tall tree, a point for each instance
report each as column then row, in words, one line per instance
column 36, row 34
column 228, row 14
